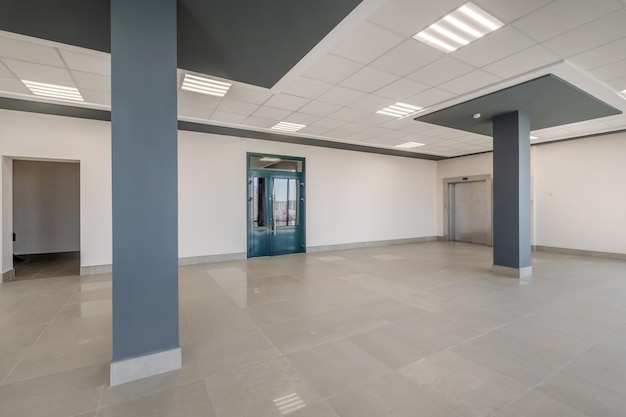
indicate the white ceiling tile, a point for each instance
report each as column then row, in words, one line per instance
column 190, row 111
column 430, row 97
column 618, row 83
column 611, row 71
column 348, row 114
column 307, row 88
column 204, row 101
column 552, row 132
column 238, row 107
column 369, row 80
column 603, row 55
column 401, row 89
column 97, row 97
column 418, row 127
column 327, row 123
column 41, row 73
column 587, row 126
column 341, row 96
column 318, row 108
column 599, row 32
column 222, row 116
column 286, row 102
column 375, row 119
column 407, row 17
column 301, row 118
column 271, row 113
column 371, row 103
column 29, row 52
column 527, row 60
column 394, row 134
column 314, row 130
column 359, row 137
column 367, row 43
column 92, row 81
column 4, row 71
column 508, row 11
column 452, row 134
column 563, row 15
column 496, row 45
column 13, row 85
column 332, row 69
column 248, row 94
column 379, row 131
column 470, row 82
column 353, row 127
column 96, row 64
column 340, row 134
column 440, row 71
column 259, row 122
column 407, row 57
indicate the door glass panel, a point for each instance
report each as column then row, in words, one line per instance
column 258, row 201
column 285, row 199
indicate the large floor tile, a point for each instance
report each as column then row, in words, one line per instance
column 59, row 395
column 536, row 404
column 263, row 389
column 393, row 346
column 191, row 400
column 20, row 337
column 391, row 396
column 439, row 330
column 337, row 366
column 469, row 388
column 300, row 333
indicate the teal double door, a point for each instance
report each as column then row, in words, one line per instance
column 276, row 202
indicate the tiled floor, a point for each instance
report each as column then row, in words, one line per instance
column 412, row 330
column 47, row 266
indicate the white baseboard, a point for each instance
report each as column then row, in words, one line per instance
column 357, row 245
column 525, row 272
column 144, row 366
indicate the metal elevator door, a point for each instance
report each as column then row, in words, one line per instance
column 471, row 212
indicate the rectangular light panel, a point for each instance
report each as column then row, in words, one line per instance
column 57, row 92
column 287, row 127
column 409, row 145
column 400, row 110
column 205, row 85
column 623, row 93
column 461, row 27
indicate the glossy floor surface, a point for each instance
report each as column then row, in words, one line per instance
column 411, row 330
column 46, row 265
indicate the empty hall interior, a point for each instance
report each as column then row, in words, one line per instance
column 313, row 208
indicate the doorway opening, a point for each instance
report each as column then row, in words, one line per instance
column 276, row 205
column 468, row 209
column 46, row 219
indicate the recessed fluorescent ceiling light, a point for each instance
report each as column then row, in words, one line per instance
column 533, row 137
column 461, row 27
column 57, row 92
column 287, row 127
column 623, row 93
column 400, row 110
column 205, row 85
column 409, row 145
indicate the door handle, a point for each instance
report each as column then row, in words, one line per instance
column 274, row 215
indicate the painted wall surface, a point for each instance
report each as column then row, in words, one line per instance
column 46, row 207
column 28, row 135
column 580, row 194
column 351, row 196
column 481, row 164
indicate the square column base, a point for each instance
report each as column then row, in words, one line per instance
column 144, row 366
column 526, row 272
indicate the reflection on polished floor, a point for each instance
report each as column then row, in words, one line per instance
column 411, row 330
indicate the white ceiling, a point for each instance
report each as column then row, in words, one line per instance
column 374, row 62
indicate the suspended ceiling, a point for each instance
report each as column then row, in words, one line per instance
column 335, row 80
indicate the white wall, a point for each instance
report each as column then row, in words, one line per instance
column 46, row 207
column 352, row 197
column 481, row 164
column 580, row 194
column 28, row 135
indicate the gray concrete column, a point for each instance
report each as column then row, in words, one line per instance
column 145, row 205
column 511, row 194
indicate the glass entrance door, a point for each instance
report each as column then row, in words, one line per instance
column 275, row 212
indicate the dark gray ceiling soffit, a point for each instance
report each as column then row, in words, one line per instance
column 251, row 41
column 105, row 115
column 549, row 100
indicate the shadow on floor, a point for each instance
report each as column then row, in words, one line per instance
column 46, row 265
